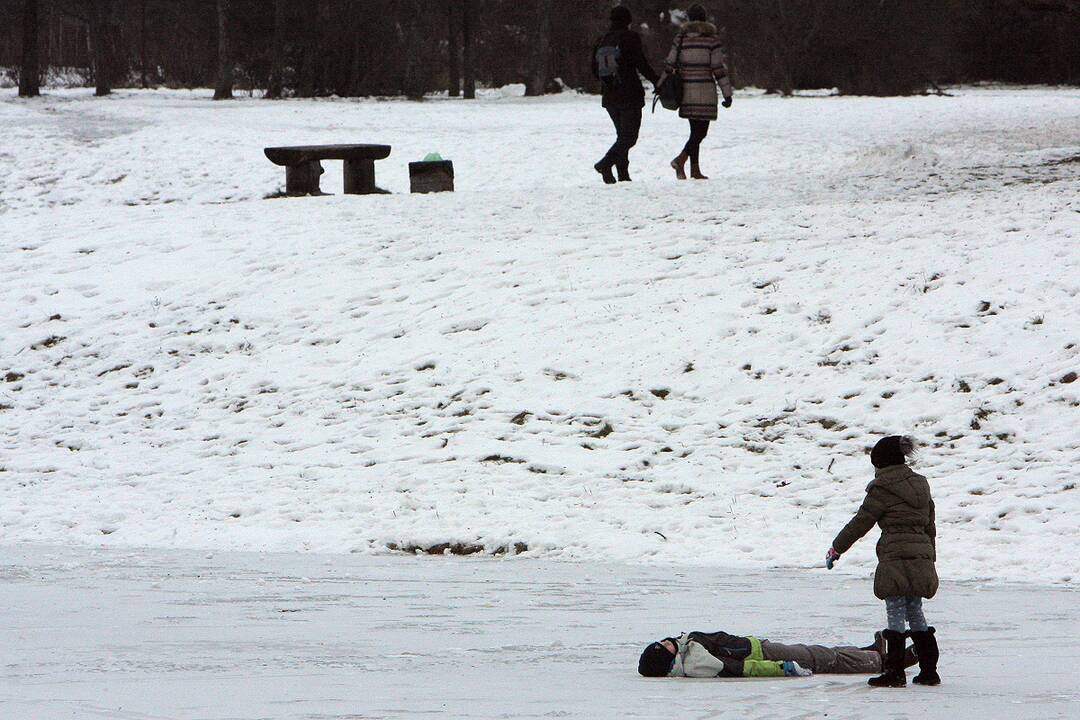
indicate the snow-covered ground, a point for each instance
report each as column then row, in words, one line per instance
column 650, row 373
column 180, row 635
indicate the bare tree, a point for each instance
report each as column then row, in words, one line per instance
column 453, row 50
column 1068, row 7
column 28, row 75
column 273, row 87
column 100, row 30
column 142, row 44
column 358, row 67
column 224, row 86
column 467, row 49
column 310, row 51
column 537, row 82
column 352, row 47
column 409, row 39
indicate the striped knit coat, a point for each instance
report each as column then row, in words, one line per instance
column 701, row 65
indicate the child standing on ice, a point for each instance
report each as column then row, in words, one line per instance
column 898, row 500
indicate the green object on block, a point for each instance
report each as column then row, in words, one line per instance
column 433, row 157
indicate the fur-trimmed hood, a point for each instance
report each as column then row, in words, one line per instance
column 700, row 27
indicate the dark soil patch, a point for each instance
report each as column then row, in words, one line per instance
column 603, row 432
column 48, row 342
column 501, row 460
column 456, row 549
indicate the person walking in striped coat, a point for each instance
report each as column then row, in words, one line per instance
column 698, row 59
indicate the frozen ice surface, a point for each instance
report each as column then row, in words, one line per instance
column 171, row 634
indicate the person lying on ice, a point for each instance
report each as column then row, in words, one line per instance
column 711, row 655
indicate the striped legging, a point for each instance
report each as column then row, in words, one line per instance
column 899, row 608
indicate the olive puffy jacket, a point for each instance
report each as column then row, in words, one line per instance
column 898, row 500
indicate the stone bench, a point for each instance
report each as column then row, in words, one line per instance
column 303, row 166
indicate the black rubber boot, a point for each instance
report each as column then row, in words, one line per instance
column 604, row 168
column 893, row 665
column 623, row 169
column 927, row 650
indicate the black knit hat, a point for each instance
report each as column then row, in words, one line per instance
column 620, row 15
column 656, row 661
column 892, row 450
column 697, row 12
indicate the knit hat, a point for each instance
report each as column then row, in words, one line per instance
column 697, row 13
column 656, row 661
column 892, row 450
column 620, row 15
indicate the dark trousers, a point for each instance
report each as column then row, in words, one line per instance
column 627, row 123
column 698, row 130
column 820, row 659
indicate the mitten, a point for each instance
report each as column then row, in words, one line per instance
column 793, row 669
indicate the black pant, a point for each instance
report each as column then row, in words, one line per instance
column 627, row 123
column 698, row 130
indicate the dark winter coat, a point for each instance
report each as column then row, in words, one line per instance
column 626, row 92
column 698, row 58
column 898, row 500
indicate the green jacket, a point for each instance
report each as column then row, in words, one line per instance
column 898, row 501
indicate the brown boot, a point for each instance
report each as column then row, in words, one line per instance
column 695, row 171
column 679, row 165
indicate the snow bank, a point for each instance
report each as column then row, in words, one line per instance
column 655, row 372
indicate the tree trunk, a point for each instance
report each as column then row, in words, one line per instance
column 541, row 56
column 28, row 76
column 309, row 56
column 663, row 31
column 356, row 69
column 453, row 51
column 223, row 89
column 100, row 22
column 142, row 44
column 467, row 53
column 411, row 82
column 273, row 89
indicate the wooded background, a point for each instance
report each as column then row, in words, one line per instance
column 409, row 48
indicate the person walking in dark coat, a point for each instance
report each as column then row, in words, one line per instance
column 898, row 500
column 617, row 60
column 698, row 59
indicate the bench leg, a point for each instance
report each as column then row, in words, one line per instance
column 360, row 177
column 303, row 179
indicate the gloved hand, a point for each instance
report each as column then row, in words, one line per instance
column 831, row 557
column 793, row 669
column 726, row 103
